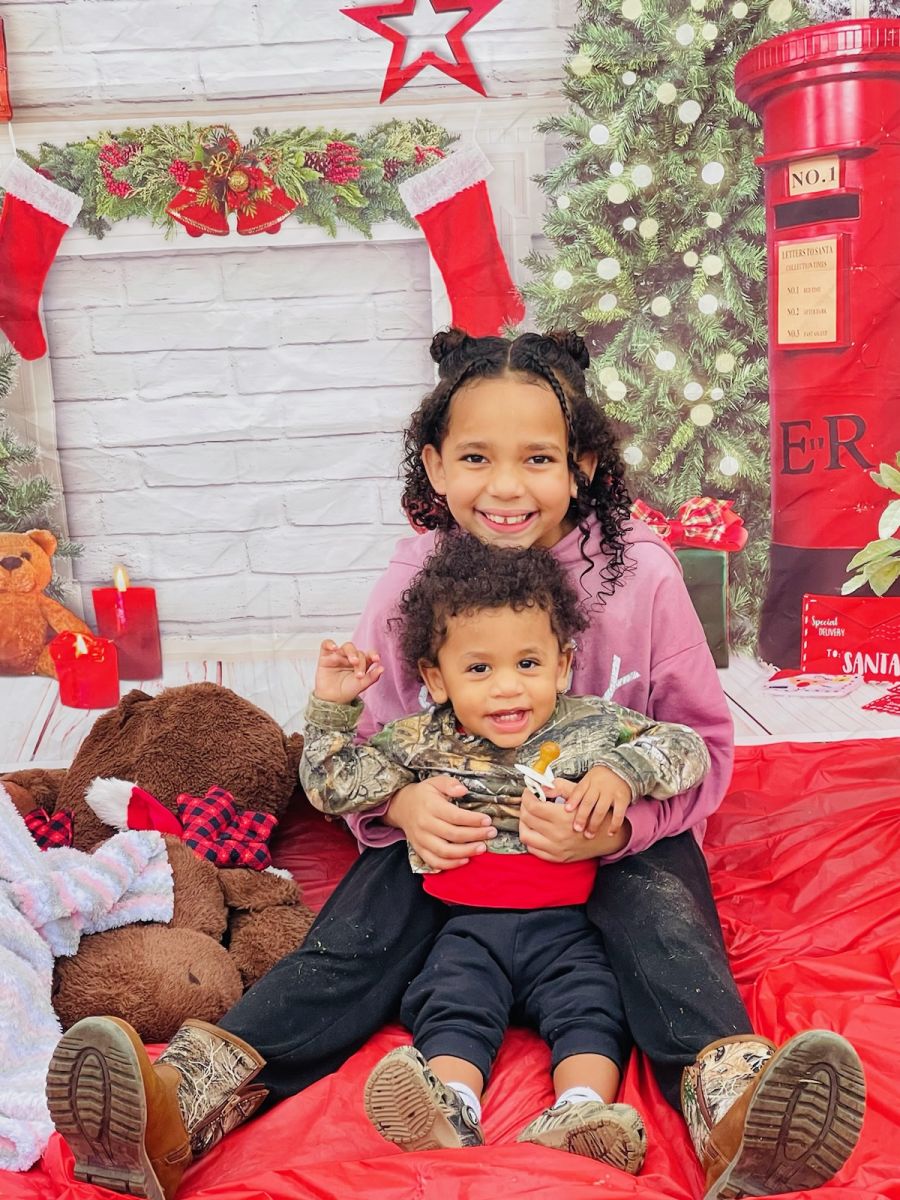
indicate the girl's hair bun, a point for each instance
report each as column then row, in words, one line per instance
column 446, row 342
column 573, row 344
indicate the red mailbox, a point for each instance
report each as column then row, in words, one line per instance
column 829, row 100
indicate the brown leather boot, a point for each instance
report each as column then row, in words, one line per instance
column 765, row 1120
column 133, row 1126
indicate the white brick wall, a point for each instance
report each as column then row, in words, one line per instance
column 116, row 53
column 228, row 415
column 228, row 424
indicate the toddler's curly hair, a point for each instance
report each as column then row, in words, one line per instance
column 465, row 576
column 560, row 360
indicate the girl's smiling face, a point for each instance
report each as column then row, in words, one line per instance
column 503, row 466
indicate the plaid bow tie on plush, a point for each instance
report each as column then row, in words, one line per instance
column 215, row 830
column 47, row 830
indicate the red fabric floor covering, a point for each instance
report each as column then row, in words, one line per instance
column 805, row 860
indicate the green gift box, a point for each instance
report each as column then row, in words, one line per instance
column 706, row 576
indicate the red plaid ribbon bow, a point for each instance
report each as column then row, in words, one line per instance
column 215, row 830
column 47, row 830
column 701, row 519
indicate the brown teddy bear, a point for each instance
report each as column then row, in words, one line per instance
column 230, row 924
column 28, row 618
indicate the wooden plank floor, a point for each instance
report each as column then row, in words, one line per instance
column 36, row 729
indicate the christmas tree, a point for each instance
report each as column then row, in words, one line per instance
column 27, row 498
column 658, row 225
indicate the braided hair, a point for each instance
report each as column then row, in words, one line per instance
column 559, row 359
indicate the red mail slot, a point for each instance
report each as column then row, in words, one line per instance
column 829, row 99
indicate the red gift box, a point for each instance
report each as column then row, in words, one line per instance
column 852, row 635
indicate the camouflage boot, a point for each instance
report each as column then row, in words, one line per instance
column 765, row 1120
column 411, row 1107
column 134, row 1127
column 609, row 1133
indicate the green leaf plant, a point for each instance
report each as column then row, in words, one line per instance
column 878, row 563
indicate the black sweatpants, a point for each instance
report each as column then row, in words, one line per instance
column 654, row 910
column 541, row 967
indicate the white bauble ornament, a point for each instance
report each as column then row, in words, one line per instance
column 616, row 390
column 648, row 228
column 688, row 112
column 714, row 220
column 617, row 193
column 632, row 9
column 712, row 173
column 607, row 302
column 725, row 362
column 690, row 259
column 563, row 202
column 633, row 455
column 563, row 279
column 666, row 93
column 729, row 465
column 665, row 360
column 702, row 414
column 684, row 35
column 708, row 303
column 660, row 306
column 641, row 175
column 608, row 268
column 711, row 264
column 599, row 135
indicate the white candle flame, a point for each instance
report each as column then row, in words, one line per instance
column 120, row 578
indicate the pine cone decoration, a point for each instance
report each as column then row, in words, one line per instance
column 316, row 160
column 392, row 168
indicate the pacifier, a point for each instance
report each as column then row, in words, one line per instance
column 540, row 774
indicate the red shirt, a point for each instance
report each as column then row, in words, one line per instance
column 513, row 881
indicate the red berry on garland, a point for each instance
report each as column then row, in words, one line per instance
column 116, row 187
column 342, row 163
column 422, row 153
column 111, row 154
column 180, row 171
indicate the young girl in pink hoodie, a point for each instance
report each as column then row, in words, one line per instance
column 509, row 447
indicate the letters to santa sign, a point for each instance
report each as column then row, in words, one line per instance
column 852, row 635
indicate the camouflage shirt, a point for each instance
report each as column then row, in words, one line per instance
column 655, row 759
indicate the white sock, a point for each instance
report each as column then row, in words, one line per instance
column 468, row 1097
column 575, row 1095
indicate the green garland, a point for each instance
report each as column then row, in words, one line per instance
column 336, row 177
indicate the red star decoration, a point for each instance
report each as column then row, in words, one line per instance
column 462, row 69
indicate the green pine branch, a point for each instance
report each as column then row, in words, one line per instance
column 657, row 224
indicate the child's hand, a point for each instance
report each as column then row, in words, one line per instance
column 595, row 794
column 343, row 672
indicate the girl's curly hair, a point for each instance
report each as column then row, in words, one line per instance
column 559, row 359
column 465, row 576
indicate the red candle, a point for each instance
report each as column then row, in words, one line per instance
column 87, row 670
column 127, row 616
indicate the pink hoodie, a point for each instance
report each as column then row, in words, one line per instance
column 645, row 649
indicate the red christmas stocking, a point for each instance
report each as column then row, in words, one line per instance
column 36, row 214
column 451, row 203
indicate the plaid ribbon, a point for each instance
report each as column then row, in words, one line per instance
column 47, row 830
column 702, row 521
column 215, row 830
